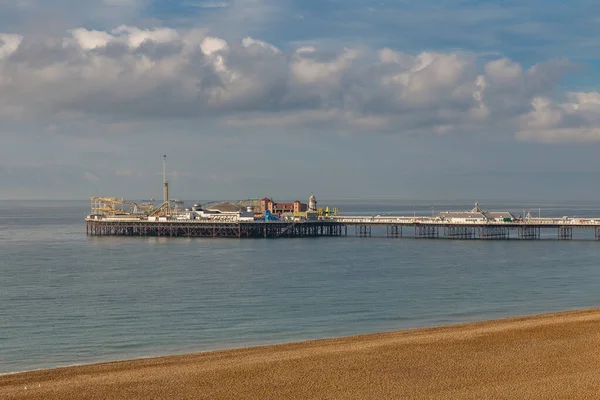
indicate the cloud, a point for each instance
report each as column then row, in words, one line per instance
column 576, row 120
column 130, row 75
column 9, row 44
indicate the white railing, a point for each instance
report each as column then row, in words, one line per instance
column 438, row 221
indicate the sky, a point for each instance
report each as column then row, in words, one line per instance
column 352, row 99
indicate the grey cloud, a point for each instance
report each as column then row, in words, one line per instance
column 510, row 89
column 130, row 75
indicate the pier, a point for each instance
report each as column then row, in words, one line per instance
column 260, row 229
column 436, row 228
column 337, row 226
column 269, row 219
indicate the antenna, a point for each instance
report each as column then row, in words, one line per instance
column 165, row 183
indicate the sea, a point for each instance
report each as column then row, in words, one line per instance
column 70, row 299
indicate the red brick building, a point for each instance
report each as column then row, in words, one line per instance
column 281, row 208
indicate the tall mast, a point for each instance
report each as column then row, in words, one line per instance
column 166, row 184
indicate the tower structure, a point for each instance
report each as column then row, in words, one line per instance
column 166, row 184
column 312, row 203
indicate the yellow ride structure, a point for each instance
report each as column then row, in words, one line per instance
column 111, row 206
column 114, row 206
column 327, row 212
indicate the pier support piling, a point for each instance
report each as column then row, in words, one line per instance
column 394, row 231
column 427, row 231
column 529, row 232
column 494, row 232
column 459, row 232
column 363, row 230
column 565, row 233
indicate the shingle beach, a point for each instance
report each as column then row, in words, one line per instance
column 544, row 356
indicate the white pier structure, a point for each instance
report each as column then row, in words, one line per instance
column 109, row 218
column 410, row 221
column 474, row 224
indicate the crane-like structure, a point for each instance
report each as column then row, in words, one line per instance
column 165, row 204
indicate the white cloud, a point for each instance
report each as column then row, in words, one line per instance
column 577, row 119
column 311, row 70
column 9, row 44
column 89, row 39
column 129, row 75
column 503, row 71
column 131, row 36
column 250, row 43
column 134, row 37
column 212, row 45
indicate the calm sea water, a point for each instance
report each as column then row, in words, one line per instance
column 66, row 298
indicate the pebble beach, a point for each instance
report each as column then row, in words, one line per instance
column 542, row 356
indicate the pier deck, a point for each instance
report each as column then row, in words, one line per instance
column 433, row 228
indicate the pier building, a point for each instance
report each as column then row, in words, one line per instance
column 476, row 215
column 295, row 206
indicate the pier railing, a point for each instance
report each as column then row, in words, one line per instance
column 386, row 220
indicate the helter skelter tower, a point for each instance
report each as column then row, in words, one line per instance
column 312, row 203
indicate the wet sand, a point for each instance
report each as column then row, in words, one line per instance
column 545, row 356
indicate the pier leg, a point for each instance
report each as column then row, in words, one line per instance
column 426, row 231
column 459, row 232
column 493, row 232
column 565, row 233
column 529, row 232
column 393, row 231
column 363, row 230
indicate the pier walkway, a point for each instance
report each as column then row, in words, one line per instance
column 436, row 227
column 420, row 220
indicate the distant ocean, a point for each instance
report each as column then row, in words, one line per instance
column 67, row 299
